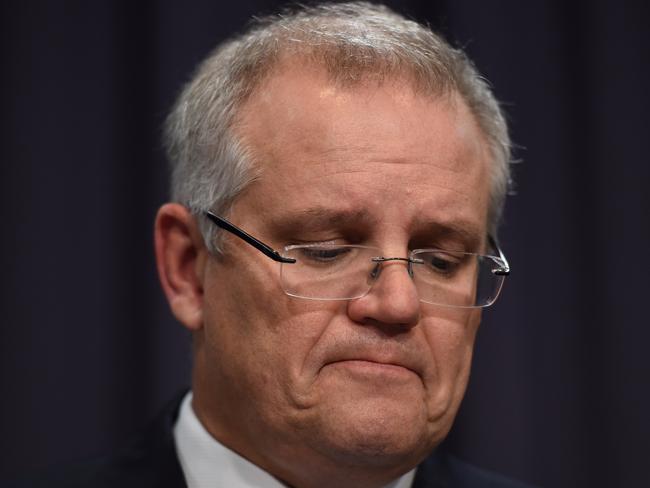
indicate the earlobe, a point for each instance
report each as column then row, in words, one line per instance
column 180, row 258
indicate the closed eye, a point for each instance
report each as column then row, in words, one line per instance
column 324, row 254
column 441, row 263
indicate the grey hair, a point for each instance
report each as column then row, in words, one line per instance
column 354, row 41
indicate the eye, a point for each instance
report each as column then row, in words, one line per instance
column 324, row 254
column 443, row 263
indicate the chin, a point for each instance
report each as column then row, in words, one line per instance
column 375, row 432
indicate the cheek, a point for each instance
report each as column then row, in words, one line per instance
column 258, row 336
column 241, row 324
column 450, row 336
column 243, row 300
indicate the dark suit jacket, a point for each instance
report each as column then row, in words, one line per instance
column 150, row 461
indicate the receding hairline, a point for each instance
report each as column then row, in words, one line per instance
column 308, row 58
column 297, row 66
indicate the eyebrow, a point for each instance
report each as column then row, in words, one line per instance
column 323, row 218
column 465, row 232
column 315, row 219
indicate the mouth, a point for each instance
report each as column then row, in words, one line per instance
column 368, row 368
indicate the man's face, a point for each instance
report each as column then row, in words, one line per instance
column 290, row 382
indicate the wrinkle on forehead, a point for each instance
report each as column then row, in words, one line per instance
column 331, row 154
column 396, row 171
column 330, row 166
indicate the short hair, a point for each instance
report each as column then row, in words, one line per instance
column 354, row 42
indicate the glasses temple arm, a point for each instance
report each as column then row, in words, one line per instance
column 256, row 243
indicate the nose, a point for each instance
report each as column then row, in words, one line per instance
column 393, row 299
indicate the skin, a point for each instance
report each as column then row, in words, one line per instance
column 333, row 393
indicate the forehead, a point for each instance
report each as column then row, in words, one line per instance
column 372, row 149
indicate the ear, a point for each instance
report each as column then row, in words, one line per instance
column 181, row 258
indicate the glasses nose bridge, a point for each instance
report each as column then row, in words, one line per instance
column 394, row 283
column 381, row 260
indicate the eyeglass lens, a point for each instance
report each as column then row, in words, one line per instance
column 344, row 272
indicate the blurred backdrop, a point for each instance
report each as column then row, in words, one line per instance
column 89, row 352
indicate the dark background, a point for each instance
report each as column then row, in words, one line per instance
column 88, row 350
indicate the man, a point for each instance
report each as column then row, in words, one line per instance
column 318, row 133
column 338, row 177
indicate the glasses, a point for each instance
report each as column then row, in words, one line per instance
column 346, row 272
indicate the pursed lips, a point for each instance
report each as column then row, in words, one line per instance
column 395, row 362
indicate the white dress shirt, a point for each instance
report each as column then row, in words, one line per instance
column 208, row 463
